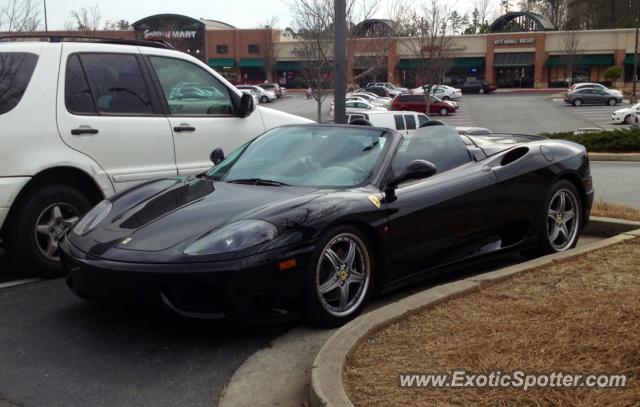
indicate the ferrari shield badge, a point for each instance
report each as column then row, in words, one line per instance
column 375, row 201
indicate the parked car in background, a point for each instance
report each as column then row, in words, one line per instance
column 403, row 122
column 625, row 115
column 584, row 85
column 473, row 85
column 274, row 87
column 377, row 90
column 354, row 106
column 389, row 86
column 253, row 95
column 417, row 103
column 373, row 99
column 265, row 96
column 443, row 92
column 112, row 114
column 592, row 96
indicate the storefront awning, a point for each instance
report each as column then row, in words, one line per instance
column 512, row 59
column 468, row 62
column 628, row 59
column 222, row 62
column 287, row 66
column 596, row 59
column 593, row 59
column 408, row 63
column 252, row 63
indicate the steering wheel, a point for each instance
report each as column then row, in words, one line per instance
column 358, row 172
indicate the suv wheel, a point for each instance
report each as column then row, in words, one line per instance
column 42, row 219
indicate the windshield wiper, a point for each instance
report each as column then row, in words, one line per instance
column 259, row 181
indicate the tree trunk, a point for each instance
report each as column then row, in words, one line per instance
column 319, row 101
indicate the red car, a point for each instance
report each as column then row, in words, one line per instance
column 417, row 103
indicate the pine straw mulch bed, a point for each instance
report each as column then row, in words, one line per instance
column 614, row 210
column 580, row 315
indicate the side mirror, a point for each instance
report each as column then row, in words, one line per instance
column 246, row 105
column 217, row 156
column 416, row 169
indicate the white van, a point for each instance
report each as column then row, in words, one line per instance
column 404, row 122
column 82, row 119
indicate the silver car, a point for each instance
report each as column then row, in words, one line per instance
column 264, row 95
column 593, row 96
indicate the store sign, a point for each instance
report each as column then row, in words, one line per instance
column 515, row 41
column 170, row 34
column 300, row 52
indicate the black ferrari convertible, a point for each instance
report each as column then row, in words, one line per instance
column 315, row 218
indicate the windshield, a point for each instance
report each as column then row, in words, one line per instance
column 306, row 156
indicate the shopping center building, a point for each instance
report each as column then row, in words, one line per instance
column 521, row 49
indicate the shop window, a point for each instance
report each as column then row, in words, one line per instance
column 254, row 48
column 222, row 49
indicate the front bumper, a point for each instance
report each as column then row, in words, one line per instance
column 242, row 288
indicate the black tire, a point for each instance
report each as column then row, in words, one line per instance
column 264, row 99
column 545, row 245
column 481, row 91
column 627, row 119
column 316, row 309
column 446, row 98
column 22, row 241
column 577, row 102
column 444, row 112
column 612, row 102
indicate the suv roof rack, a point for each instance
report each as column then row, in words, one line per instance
column 86, row 38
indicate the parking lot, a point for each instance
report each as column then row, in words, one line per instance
column 57, row 347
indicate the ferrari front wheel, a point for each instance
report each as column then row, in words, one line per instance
column 339, row 277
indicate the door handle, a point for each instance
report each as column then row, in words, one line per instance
column 84, row 130
column 183, row 128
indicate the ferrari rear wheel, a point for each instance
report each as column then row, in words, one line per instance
column 339, row 277
column 562, row 219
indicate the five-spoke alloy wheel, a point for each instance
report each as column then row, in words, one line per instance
column 340, row 277
column 563, row 220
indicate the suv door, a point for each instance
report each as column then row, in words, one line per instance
column 106, row 111
column 200, row 125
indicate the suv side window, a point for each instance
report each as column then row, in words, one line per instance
column 77, row 94
column 411, row 121
column 422, row 119
column 116, row 85
column 190, row 90
column 399, row 122
column 16, row 69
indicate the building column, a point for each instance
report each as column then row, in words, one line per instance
column 540, row 75
column 619, row 56
column 392, row 62
column 488, row 64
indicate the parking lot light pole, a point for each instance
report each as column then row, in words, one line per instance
column 46, row 26
column 340, row 60
column 634, row 96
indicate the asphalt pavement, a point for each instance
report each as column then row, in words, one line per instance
column 57, row 350
column 617, row 181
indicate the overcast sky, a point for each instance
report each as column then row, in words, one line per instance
column 240, row 13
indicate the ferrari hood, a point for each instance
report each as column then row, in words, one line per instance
column 187, row 210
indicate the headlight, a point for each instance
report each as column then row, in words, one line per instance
column 92, row 219
column 236, row 236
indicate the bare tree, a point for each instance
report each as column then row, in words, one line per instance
column 19, row 15
column 432, row 45
column 313, row 20
column 571, row 54
column 86, row 19
column 270, row 22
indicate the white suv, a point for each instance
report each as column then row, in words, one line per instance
column 83, row 120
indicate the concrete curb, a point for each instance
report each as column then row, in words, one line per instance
column 623, row 157
column 327, row 387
